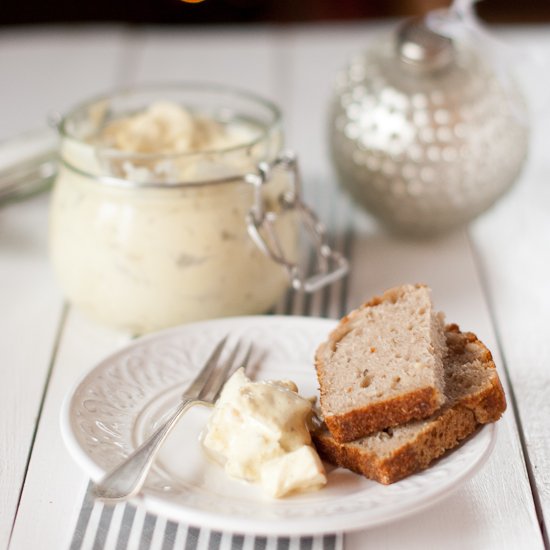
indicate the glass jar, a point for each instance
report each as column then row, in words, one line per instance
column 143, row 241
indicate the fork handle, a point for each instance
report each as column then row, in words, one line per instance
column 128, row 477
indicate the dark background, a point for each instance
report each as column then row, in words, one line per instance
column 14, row 12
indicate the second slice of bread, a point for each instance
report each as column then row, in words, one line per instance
column 382, row 365
column 475, row 397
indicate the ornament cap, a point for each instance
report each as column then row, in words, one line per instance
column 420, row 47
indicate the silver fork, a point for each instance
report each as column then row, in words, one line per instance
column 127, row 478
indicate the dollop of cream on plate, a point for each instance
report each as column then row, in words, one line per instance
column 259, row 431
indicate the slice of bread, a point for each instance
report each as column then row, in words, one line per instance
column 382, row 365
column 474, row 397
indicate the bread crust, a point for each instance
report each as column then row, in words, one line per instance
column 392, row 412
column 359, row 422
column 449, row 429
column 443, row 432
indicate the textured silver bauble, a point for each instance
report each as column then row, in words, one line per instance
column 426, row 150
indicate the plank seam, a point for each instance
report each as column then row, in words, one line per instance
column 47, row 381
column 126, row 68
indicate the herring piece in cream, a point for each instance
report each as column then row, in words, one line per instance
column 163, row 127
column 260, row 430
column 166, row 127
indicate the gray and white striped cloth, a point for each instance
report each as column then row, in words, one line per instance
column 127, row 527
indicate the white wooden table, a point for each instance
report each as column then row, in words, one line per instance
column 493, row 279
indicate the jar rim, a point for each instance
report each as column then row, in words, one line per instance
column 273, row 123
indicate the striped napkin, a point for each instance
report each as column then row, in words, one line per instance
column 127, row 527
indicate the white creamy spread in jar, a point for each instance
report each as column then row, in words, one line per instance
column 260, row 430
column 144, row 258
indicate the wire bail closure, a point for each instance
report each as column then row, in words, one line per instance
column 331, row 265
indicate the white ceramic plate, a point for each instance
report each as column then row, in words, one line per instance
column 120, row 401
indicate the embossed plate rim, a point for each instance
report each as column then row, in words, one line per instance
column 430, row 491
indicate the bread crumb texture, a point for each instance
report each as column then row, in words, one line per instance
column 382, row 365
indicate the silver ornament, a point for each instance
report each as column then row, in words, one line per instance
column 424, row 133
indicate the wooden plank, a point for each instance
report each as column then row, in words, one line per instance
column 513, row 246
column 485, row 512
column 40, row 70
column 31, row 310
column 55, row 484
column 240, row 57
column 52, row 69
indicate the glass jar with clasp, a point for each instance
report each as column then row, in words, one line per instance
column 178, row 203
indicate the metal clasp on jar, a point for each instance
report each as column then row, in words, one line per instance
column 331, row 265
